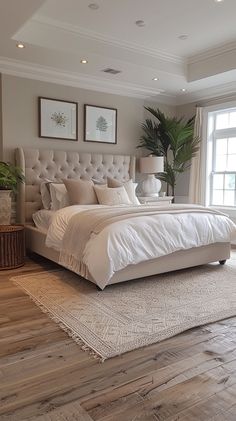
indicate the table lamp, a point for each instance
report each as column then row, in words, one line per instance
column 151, row 165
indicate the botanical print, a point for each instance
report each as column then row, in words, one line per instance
column 100, row 124
column 60, row 119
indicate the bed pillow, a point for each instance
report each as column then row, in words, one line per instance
column 112, row 196
column 81, row 192
column 45, row 194
column 129, row 186
column 99, row 182
column 59, row 196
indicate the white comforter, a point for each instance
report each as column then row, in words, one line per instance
column 126, row 242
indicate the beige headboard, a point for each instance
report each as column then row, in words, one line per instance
column 40, row 164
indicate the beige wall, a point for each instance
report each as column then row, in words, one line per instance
column 1, row 138
column 20, row 116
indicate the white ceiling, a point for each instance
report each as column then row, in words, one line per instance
column 59, row 33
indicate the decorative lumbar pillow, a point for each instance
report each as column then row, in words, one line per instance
column 81, row 192
column 129, row 186
column 112, row 196
column 59, row 196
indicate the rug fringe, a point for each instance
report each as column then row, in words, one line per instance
column 83, row 346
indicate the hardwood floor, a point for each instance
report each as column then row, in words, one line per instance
column 45, row 376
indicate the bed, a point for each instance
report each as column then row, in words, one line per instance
column 39, row 164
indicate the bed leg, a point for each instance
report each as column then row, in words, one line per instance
column 222, row 262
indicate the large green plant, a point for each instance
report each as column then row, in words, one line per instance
column 10, row 176
column 172, row 138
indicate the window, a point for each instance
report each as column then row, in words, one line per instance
column 222, row 158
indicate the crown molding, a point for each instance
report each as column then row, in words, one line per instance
column 52, row 75
column 110, row 41
column 224, row 91
column 212, row 52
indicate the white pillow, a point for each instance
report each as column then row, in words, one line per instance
column 130, row 188
column 59, row 196
column 112, row 196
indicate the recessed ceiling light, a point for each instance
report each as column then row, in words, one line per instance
column 183, row 37
column 183, row 90
column 155, row 78
column 20, row 45
column 93, row 6
column 83, row 61
column 219, row 1
column 140, row 23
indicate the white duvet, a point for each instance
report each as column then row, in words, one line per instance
column 128, row 242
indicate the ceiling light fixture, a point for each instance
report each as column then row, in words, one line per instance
column 219, row 1
column 93, row 6
column 183, row 90
column 140, row 23
column 155, row 78
column 20, row 45
column 183, row 37
column 83, row 61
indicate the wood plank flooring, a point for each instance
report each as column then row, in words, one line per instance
column 45, row 376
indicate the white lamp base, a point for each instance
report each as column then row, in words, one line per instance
column 151, row 186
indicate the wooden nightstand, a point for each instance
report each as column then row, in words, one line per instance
column 12, row 246
column 152, row 200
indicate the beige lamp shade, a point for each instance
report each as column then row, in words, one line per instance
column 151, row 164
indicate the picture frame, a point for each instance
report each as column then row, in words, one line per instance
column 100, row 124
column 58, row 119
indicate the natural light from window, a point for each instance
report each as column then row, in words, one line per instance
column 222, row 157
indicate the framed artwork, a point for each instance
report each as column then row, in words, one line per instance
column 58, row 119
column 100, row 124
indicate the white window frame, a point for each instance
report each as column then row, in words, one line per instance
column 208, row 154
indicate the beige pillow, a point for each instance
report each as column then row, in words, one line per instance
column 112, row 196
column 112, row 182
column 81, row 192
column 129, row 186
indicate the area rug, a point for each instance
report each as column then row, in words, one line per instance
column 137, row 313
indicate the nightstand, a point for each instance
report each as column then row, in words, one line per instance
column 12, row 246
column 152, row 200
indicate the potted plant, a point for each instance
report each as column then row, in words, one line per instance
column 10, row 176
column 174, row 139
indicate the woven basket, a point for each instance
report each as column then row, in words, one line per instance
column 12, row 246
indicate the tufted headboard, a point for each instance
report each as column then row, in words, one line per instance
column 40, row 164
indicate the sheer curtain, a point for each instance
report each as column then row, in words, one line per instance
column 195, row 183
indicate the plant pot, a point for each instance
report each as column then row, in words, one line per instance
column 5, row 207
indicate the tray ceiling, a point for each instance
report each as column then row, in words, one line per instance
column 59, row 34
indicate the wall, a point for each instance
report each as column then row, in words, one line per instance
column 1, row 137
column 20, row 116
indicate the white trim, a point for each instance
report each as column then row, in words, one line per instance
column 205, row 153
column 208, row 164
column 212, row 52
column 53, row 75
column 62, row 77
column 108, row 40
column 227, row 89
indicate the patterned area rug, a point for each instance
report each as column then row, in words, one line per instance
column 135, row 313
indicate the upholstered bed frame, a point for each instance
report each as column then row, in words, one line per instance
column 40, row 164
